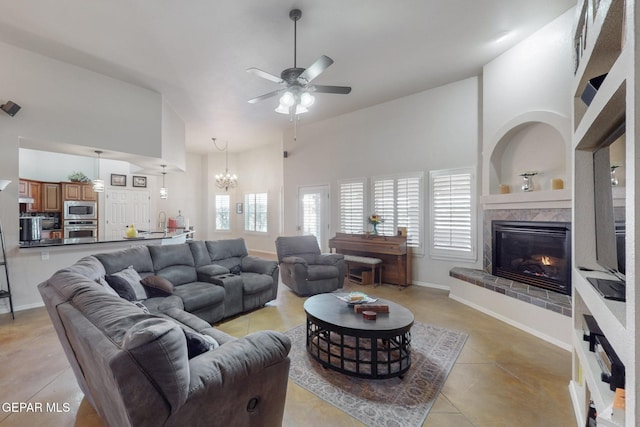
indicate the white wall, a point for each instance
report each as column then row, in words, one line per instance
column 435, row 129
column 259, row 171
column 530, row 83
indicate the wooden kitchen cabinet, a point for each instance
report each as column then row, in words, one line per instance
column 78, row 191
column 32, row 189
column 51, row 197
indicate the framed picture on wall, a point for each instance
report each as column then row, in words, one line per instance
column 239, row 208
column 139, row 181
column 118, row 180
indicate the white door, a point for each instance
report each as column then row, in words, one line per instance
column 313, row 214
column 126, row 207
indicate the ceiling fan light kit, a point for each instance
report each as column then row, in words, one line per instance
column 296, row 97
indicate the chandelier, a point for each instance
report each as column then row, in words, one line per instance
column 225, row 180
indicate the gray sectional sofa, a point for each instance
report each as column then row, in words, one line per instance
column 159, row 362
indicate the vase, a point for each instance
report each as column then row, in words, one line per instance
column 527, row 184
column 375, row 229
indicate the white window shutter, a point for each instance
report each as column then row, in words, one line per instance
column 352, row 206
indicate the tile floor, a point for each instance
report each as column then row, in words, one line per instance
column 504, row 377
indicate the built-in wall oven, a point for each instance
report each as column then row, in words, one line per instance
column 85, row 229
column 76, row 210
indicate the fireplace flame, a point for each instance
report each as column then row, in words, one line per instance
column 545, row 260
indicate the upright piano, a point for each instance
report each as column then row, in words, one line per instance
column 392, row 250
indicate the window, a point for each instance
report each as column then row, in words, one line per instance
column 352, row 206
column 223, row 223
column 255, row 212
column 453, row 214
column 398, row 200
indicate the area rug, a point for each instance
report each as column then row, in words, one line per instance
column 389, row 402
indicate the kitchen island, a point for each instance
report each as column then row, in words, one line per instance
column 153, row 237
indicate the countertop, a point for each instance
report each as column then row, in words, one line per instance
column 148, row 235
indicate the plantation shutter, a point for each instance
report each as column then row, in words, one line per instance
column 452, row 214
column 261, row 212
column 311, row 213
column 409, row 210
column 384, row 204
column 352, row 207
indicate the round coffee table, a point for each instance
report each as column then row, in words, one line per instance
column 341, row 339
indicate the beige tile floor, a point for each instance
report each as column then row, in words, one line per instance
column 504, row 377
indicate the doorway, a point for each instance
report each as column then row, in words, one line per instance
column 123, row 208
column 313, row 214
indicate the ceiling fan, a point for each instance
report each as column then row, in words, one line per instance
column 297, row 96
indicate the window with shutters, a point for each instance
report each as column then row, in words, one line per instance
column 255, row 212
column 398, row 200
column 453, row 218
column 223, row 202
column 352, row 203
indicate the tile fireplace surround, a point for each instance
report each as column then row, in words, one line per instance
column 527, row 293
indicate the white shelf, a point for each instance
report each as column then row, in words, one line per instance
column 525, row 200
column 601, row 395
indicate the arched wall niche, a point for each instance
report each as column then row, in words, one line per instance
column 538, row 141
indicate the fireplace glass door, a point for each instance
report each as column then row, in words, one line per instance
column 536, row 253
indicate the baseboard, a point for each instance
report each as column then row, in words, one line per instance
column 431, row 285
column 21, row 307
column 534, row 332
column 577, row 405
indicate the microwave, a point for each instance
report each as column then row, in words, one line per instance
column 80, row 210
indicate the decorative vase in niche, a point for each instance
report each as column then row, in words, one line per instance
column 527, row 182
column 614, row 178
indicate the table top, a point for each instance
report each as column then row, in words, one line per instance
column 329, row 309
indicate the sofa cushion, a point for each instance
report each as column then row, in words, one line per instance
column 197, row 295
column 200, row 253
column 137, row 256
column 127, row 284
column 321, row 272
column 105, row 286
column 157, row 286
column 227, row 253
column 159, row 347
column 174, row 262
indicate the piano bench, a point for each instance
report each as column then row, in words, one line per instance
column 374, row 263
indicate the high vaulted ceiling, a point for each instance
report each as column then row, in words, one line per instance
column 195, row 52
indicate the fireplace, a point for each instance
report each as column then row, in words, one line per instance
column 532, row 252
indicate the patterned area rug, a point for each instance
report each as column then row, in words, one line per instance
column 384, row 403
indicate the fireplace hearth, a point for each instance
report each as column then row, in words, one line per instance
column 533, row 252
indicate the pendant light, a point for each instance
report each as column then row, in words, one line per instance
column 98, row 184
column 225, row 180
column 164, row 192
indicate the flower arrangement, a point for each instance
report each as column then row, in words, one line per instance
column 374, row 220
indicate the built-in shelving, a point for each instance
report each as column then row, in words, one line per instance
column 602, row 28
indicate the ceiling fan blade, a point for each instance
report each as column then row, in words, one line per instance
column 266, row 96
column 316, row 68
column 264, row 75
column 341, row 90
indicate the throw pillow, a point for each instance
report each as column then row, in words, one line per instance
column 122, row 287
column 198, row 343
column 236, row 269
column 133, row 278
column 157, row 286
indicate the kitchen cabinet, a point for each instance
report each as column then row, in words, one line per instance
column 78, row 191
column 32, row 189
column 51, row 197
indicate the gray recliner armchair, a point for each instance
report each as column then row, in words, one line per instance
column 306, row 270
